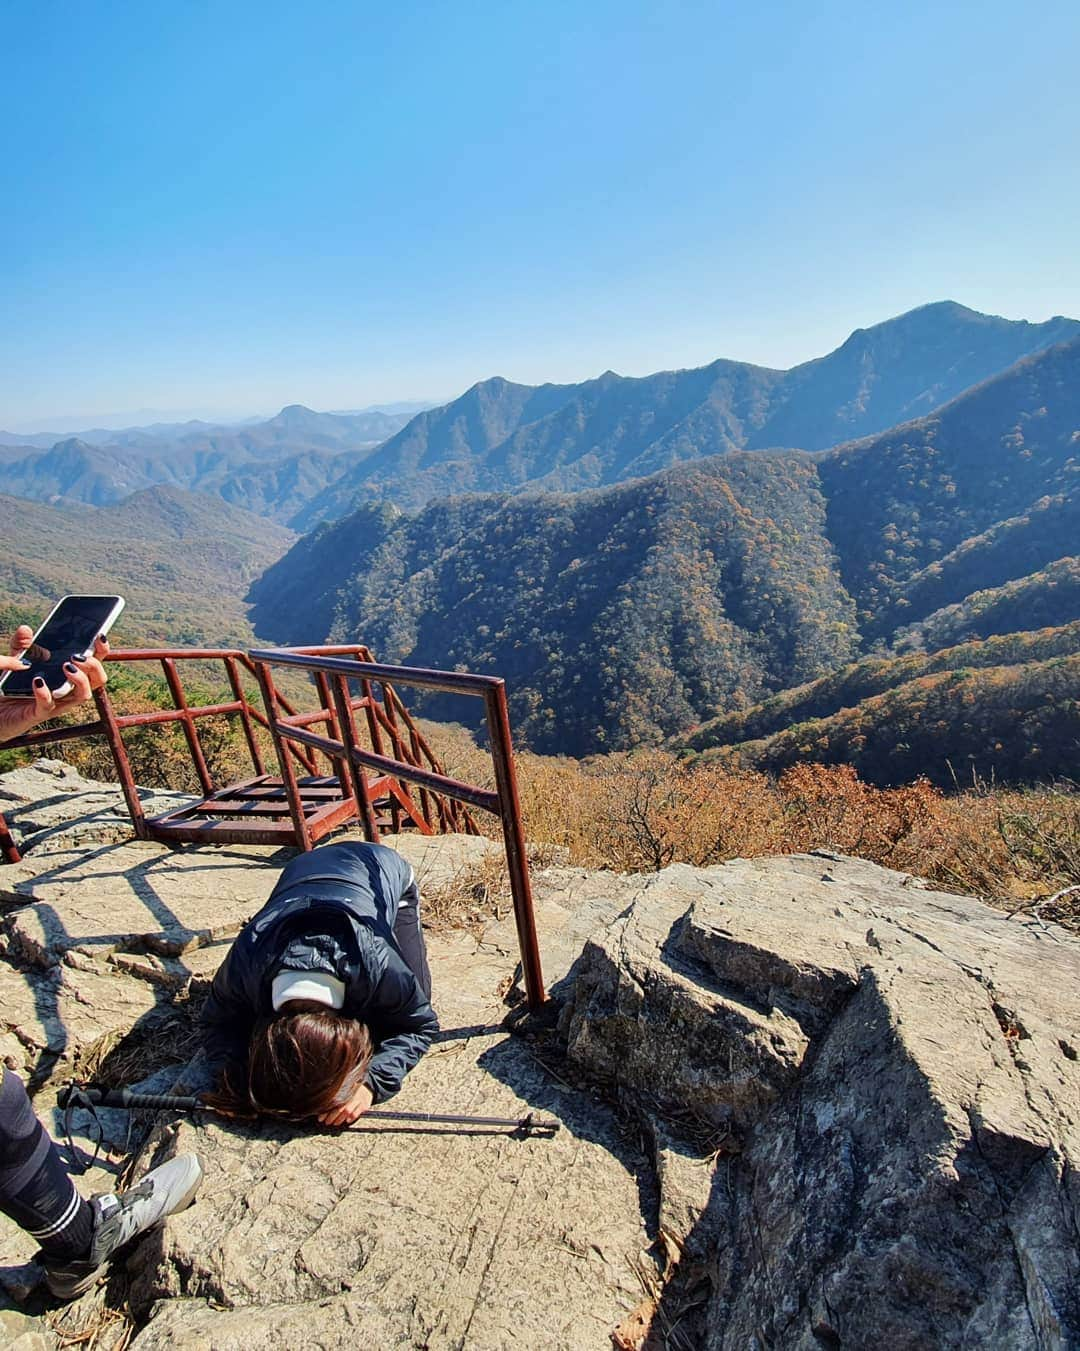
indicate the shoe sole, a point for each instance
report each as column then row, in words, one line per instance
column 88, row 1282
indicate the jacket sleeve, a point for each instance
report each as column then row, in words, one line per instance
column 402, row 1024
column 227, row 1017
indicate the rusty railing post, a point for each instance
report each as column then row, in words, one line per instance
column 356, row 771
column 281, row 749
column 245, row 716
column 191, row 733
column 502, row 754
column 332, row 730
column 123, row 764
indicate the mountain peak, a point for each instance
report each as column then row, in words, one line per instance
column 295, row 412
column 73, row 445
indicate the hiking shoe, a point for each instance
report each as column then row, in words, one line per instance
column 119, row 1217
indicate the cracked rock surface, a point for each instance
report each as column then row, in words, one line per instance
column 901, row 1067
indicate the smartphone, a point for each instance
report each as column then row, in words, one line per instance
column 67, row 634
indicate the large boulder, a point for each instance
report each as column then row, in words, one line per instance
column 900, row 1069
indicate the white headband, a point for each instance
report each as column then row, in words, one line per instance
column 319, row 986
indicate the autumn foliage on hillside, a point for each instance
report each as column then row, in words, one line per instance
column 617, row 616
column 644, row 810
column 641, row 811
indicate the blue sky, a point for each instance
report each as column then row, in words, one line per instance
column 221, row 208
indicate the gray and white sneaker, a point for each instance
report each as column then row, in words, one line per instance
column 119, row 1217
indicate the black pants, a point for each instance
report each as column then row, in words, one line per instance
column 409, row 937
column 35, row 1189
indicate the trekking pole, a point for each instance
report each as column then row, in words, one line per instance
column 79, row 1095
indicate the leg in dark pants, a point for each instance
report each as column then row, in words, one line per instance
column 409, row 937
column 35, row 1189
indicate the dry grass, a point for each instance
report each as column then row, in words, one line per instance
column 643, row 810
column 474, row 895
column 117, row 1059
column 91, row 1325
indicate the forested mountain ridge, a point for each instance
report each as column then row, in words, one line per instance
column 616, row 615
column 1015, row 547
column 301, row 467
column 504, row 437
column 870, row 677
column 1039, row 600
column 901, row 502
column 954, row 727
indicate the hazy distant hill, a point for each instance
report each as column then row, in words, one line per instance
column 182, row 562
column 271, row 467
column 297, row 428
column 75, row 470
column 500, row 436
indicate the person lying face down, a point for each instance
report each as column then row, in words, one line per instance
column 322, row 1004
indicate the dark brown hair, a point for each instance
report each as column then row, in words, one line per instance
column 302, row 1062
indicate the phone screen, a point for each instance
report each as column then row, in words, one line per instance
column 69, row 631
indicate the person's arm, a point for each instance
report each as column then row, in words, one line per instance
column 20, row 715
column 402, row 1024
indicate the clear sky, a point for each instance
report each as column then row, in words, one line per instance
column 224, row 207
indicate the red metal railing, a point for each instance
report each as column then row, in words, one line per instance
column 503, row 802
column 261, row 809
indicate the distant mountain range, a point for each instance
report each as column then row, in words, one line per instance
column 302, row 467
column 272, row 467
column 639, row 557
column 504, row 437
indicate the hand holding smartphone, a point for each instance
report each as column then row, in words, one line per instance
column 66, row 636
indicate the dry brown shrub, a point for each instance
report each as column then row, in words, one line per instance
column 477, row 892
column 644, row 810
column 651, row 809
column 1041, row 833
column 830, row 807
column 159, row 755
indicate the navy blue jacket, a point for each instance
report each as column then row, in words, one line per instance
column 332, row 910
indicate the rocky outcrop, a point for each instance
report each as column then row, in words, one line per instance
column 805, row 1103
column 900, row 1069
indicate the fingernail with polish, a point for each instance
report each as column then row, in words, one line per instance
column 39, row 682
